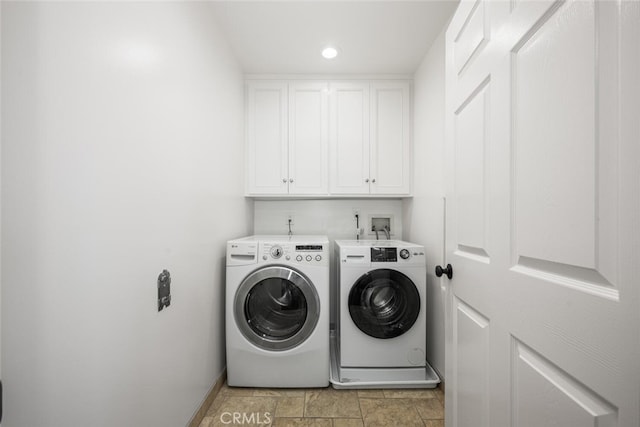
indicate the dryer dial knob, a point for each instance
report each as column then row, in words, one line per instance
column 276, row 252
column 405, row 254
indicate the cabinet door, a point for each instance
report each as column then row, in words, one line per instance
column 308, row 138
column 267, row 138
column 390, row 170
column 349, row 140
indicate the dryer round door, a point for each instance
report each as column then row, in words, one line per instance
column 276, row 308
column 384, row 303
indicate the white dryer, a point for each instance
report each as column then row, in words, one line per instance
column 381, row 328
column 277, row 311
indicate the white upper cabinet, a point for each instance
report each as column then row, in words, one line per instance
column 390, row 152
column 287, row 138
column 328, row 138
column 370, row 138
column 267, row 141
column 349, row 154
column 308, row 138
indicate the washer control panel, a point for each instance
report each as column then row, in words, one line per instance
column 276, row 251
column 295, row 253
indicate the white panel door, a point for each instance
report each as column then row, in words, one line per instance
column 390, row 169
column 308, row 138
column 543, row 214
column 267, row 152
column 349, row 138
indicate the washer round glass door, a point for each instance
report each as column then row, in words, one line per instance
column 384, row 303
column 276, row 308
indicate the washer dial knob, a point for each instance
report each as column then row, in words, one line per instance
column 276, row 252
column 405, row 254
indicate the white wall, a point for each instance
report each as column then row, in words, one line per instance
column 1, row 397
column 334, row 218
column 121, row 155
column 0, row 204
column 424, row 213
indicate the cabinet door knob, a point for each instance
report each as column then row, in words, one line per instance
column 366, row 180
column 284, row 180
column 373, row 180
column 291, row 180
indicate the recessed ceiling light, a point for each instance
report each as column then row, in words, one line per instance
column 329, row 52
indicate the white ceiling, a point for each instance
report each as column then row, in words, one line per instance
column 374, row 37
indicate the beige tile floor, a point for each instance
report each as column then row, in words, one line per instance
column 326, row 407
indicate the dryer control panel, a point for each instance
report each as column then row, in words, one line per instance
column 384, row 254
column 387, row 253
column 398, row 255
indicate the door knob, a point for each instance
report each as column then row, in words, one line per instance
column 448, row 271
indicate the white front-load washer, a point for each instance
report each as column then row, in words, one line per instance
column 277, row 311
column 381, row 327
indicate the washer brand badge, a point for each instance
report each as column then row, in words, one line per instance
column 244, row 418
